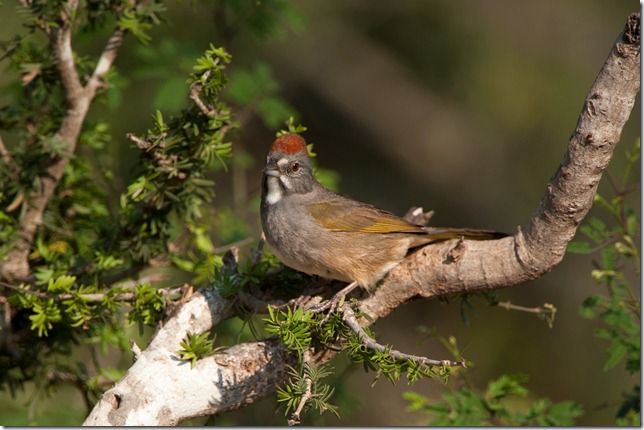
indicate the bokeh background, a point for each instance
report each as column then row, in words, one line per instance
column 460, row 106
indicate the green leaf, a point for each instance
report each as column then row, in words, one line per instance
column 564, row 413
column 293, row 328
column 579, row 247
column 507, row 385
column 597, row 224
column 616, row 352
column 416, row 401
column 107, row 262
column 608, row 260
column 133, row 24
column 61, row 284
column 45, row 314
column 195, row 347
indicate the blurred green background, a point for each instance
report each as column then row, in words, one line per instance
column 460, row 106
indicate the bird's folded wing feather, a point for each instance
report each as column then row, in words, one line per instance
column 347, row 215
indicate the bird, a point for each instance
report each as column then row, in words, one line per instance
column 319, row 232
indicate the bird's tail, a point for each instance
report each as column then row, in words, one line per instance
column 444, row 233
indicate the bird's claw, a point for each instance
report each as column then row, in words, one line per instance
column 332, row 305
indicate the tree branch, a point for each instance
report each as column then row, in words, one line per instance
column 97, row 297
column 349, row 317
column 160, row 389
column 295, row 417
column 15, row 267
column 6, row 157
column 195, row 90
column 105, row 61
column 546, row 312
column 220, row 382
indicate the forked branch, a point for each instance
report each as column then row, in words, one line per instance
column 15, row 267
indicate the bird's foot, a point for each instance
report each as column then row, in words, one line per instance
column 334, row 302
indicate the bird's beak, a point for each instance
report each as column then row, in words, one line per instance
column 271, row 169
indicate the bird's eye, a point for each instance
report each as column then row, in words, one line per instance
column 295, row 166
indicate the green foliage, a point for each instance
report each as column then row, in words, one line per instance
column 616, row 243
column 226, row 283
column 629, row 413
column 147, row 307
column 293, row 328
column 305, row 385
column 194, row 347
column 44, row 314
column 138, row 19
column 85, row 246
column 384, row 364
column 300, row 331
column 467, row 407
column 175, row 157
column 90, row 259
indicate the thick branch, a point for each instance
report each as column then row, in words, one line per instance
column 159, row 389
column 218, row 383
column 450, row 268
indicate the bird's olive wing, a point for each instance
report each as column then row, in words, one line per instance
column 358, row 217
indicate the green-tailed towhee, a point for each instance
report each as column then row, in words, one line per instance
column 316, row 231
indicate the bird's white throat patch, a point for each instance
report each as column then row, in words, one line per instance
column 274, row 190
column 277, row 184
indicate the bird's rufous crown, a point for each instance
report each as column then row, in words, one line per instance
column 288, row 144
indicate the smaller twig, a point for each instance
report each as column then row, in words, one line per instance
column 547, row 311
column 140, row 143
column 6, row 156
column 78, row 381
column 96, row 297
column 535, row 310
column 308, row 393
column 295, row 417
column 56, row 377
column 136, row 351
column 6, row 314
column 609, row 241
column 195, row 90
column 224, row 248
column 194, row 96
column 67, row 377
column 106, row 59
column 166, row 162
column 349, row 318
column 308, row 299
